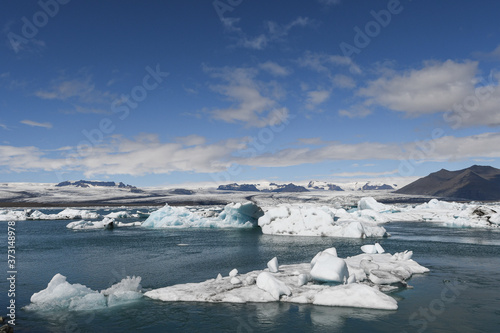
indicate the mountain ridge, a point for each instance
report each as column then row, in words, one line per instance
column 474, row 183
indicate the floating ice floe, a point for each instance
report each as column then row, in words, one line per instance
column 364, row 281
column 107, row 223
column 29, row 214
column 310, row 220
column 448, row 213
column 62, row 295
column 234, row 215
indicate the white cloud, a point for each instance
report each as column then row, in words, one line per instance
column 144, row 155
column 36, row 124
column 254, row 102
column 274, row 32
column 191, row 140
column 365, row 174
column 274, row 68
column 147, row 155
column 343, row 81
column 493, row 55
column 322, row 62
column 355, row 111
column 80, row 92
column 3, row 126
column 314, row 98
column 446, row 148
column 438, row 87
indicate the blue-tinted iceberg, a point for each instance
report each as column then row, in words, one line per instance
column 234, row 215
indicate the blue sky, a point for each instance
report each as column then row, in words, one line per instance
column 169, row 92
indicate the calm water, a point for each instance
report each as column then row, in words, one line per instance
column 460, row 294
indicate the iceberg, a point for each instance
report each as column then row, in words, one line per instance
column 309, row 220
column 106, row 223
column 29, row 214
column 62, row 295
column 364, row 287
column 234, row 215
column 329, row 268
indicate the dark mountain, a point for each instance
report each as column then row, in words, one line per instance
column 236, row 187
column 474, row 183
column 89, row 183
column 252, row 188
column 368, row 187
column 290, row 188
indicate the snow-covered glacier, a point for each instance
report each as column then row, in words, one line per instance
column 234, row 215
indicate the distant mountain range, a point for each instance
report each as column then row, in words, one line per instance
column 273, row 187
column 474, row 183
column 354, row 186
column 313, row 185
column 92, row 183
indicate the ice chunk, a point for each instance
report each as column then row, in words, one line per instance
column 233, row 272
column 106, row 223
column 61, row 295
column 119, row 215
column 329, row 268
column 355, row 295
column 371, row 203
column 234, row 215
column 273, row 265
column 378, row 276
column 235, row 280
column 379, row 248
column 303, row 279
column 370, row 249
column 368, row 266
column 310, row 220
column 266, row 281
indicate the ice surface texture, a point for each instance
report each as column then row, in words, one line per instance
column 62, row 295
column 366, row 278
column 234, row 215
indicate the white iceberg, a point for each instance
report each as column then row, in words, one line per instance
column 295, row 284
column 309, row 220
column 62, row 295
column 273, row 265
column 329, row 268
column 268, row 282
column 234, row 215
column 106, row 223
